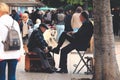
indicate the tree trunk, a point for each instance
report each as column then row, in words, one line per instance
column 106, row 67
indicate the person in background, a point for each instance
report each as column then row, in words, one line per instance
column 48, row 17
column 36, row 15
column 60, row 26
column 79, row 40
column 8, row 58
column 32, row 15
column 53, row 16
column 68, row 21
column 75, row 21
column 26, row 26
column 15, row 15
column 38, row 22
column 38, row 45
column 116, row 21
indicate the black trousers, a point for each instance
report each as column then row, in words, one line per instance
column 66, row 49
column 44, row 60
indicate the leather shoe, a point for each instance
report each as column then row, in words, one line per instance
column 62, row 71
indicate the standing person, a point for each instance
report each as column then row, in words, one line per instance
column 48, row 17
column 75, row 21
column 38, row 22
column 116, row 21
column 36, row 15
column 79, row 40
column 15, row 15
column 68, row 21
column 26, row 26
column 9, row 58
column 53, row 16
column 60, row 26
column 32, row 15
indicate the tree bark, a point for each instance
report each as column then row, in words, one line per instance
column 106, row 67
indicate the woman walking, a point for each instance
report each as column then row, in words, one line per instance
column 9, row 58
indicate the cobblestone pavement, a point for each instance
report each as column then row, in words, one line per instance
column 72, row 59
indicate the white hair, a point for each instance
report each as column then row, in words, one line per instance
column 38, row 21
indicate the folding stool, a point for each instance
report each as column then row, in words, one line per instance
column 81, row 55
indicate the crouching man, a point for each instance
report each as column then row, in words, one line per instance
column 38, row 45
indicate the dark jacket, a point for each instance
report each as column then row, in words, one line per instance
column 15, row 16
column 67, row 20
column 83, row 36
column 37, row 40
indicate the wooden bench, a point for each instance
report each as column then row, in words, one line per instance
column 31, row 58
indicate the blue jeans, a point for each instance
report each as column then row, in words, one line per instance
column 11, row 69
column 60, row 29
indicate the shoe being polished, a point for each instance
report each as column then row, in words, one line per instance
column 62, row 71
column 56, row 50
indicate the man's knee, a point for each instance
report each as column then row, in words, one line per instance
column 64, row 51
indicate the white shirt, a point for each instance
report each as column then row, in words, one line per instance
column 25, row 29
column 7, row 20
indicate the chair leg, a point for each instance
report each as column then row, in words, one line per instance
column 84, row 61
column 78, row 64
column 80, row 69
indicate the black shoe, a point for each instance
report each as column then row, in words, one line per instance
column 55, row 69
column 48, row 70
column 56, row 50
column 62, row 71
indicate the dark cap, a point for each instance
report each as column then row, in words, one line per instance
column 43, row 25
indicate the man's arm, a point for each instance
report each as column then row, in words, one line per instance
column 85, row 28
column 40, row 40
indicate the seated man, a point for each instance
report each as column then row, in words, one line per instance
column 38, row 45
column 79, row 41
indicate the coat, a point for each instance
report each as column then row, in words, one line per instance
column 67, row 21
column 83, row 36
column 37, row 40
column 7, row 20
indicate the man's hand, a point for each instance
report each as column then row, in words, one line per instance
column 70, row 32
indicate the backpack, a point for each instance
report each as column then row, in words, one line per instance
column 12, row 41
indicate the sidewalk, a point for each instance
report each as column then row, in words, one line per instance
column 22, row 75
column 72, row 59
